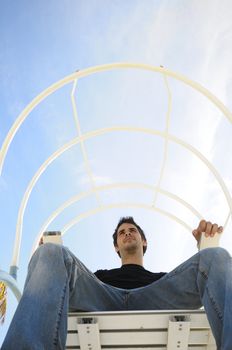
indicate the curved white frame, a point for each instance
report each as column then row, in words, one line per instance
column 88, row 213
column 85, row 72
column 86, row 137
column 11, row 283
column 166, row 139
column 82, row 195
column 82, row 138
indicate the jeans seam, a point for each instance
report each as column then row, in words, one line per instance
column 70, row 262
column 57, row 325
column 214, row 305
column 176, row 272
column 203, row 274
column 126, row 300
column 213, row 302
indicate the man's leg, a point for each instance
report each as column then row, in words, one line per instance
column 205, row 279
column 55, row 275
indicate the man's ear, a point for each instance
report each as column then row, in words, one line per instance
column 117, row 250
column 144, row 243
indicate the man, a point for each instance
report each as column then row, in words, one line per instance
column 58, row 281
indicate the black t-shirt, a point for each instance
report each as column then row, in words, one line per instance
column 128, row 276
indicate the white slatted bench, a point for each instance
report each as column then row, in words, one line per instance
column 150, row 330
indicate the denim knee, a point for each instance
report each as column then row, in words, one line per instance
column 48, row 251
column 215, row 252
column 217, row 256
column 48, row 248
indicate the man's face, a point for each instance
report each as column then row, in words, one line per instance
column 129, row 239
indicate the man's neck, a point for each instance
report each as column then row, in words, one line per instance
column 131, row 259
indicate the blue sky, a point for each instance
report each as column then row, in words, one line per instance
column 42, row 42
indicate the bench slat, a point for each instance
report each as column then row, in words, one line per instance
column 141, row 330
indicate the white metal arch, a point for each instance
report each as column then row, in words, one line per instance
column 83, row 148
column 82, row 195
column 165, row 153
column 82, row 145
column 85, row 72
column 99, row 132
column 86, row 214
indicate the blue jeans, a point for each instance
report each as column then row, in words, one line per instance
column 57, row 281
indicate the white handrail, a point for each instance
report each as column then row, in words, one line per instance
column 121, row 205
column 96, row 69
column 83, row 73
column 99, row 132
column 11, row 283
column 82, row 195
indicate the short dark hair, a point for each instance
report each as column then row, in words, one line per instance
column 129, row 220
